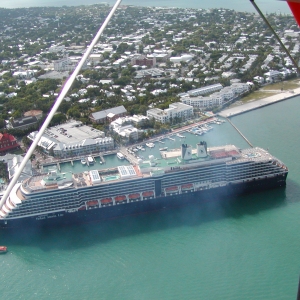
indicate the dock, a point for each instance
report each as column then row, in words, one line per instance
column 240, row 133
column 102, row 158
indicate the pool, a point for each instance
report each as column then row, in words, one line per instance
column 111, row 177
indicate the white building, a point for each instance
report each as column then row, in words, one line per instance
column 124, row 126
column 84, row 147
column 216, row 99
column 205, row 90
column 182, row 58
column 175, row 110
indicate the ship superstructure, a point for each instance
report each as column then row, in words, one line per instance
column 177, row 177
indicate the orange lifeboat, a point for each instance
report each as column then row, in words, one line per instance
column 172, row 189
column 134, row 196
column 106, row 201
column 148, row 194
column 187, row 187
column 120, row 198
column 82, row 207
column 92, row 203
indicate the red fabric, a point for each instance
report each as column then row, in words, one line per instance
column 295, row 8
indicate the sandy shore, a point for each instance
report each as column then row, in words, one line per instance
column 259, row 103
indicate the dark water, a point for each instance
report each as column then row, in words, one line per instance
column 245, row 248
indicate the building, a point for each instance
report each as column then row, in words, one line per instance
column 34, row 113
column 218, row 98
column 175, row 110
column 22, row 123
column 142, row 60
column 125, row 129
column 85, row 147
column 108, row 115
column 205, row 90
column 7, row 142
column 273, row 75
column 182, row 58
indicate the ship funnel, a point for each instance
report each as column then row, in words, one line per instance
column 186, row 152
column 202, row 149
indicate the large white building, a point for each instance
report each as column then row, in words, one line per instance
column 205, row 90
column 175, row 110
column 87, row 146
column 216, row 99
column 124, row 126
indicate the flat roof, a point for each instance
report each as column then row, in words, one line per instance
column 73, row 132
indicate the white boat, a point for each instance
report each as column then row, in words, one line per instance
column 83, row 161
column 163, row 149
column 90, row 160
column 120, row 155
column 150, row 145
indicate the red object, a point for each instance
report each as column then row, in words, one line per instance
column 147, row 194
column 172, row 189
column 120, row 198
column 295, row 8
column 106, row 201
column 134, row 196
column 7, row 142
column 3, row 249
column 92, row 203
column 187, row 186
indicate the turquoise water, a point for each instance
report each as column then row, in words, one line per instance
column 245, row 248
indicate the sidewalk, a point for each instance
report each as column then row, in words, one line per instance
column 259, row 103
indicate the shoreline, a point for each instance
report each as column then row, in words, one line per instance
column 281, row 96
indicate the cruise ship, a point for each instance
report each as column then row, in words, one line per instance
column 177, row 177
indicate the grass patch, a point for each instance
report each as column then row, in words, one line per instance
column 285, row 85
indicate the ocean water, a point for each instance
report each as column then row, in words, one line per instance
column 240, row 5
column 244, row 248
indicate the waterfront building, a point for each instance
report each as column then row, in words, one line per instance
column 205, row 90
column 84, row 147
column 175, row 110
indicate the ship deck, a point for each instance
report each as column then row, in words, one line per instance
column 168, row 162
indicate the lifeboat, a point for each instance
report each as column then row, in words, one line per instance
column 82, row 207
column 3, row 249
column 106, row 201
column 92, row 203
column 134, row 197
column 171, row 190
column 187, row 187
column 120, row 199
column 148, row 194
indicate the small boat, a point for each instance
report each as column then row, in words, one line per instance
column 83, row 161
column 120, row 155
column 150, row 145
column 163, row 149
column 90, row 160
column 3, row 249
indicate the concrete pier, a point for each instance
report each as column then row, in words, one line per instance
column 281, row 96
column 240, row 133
